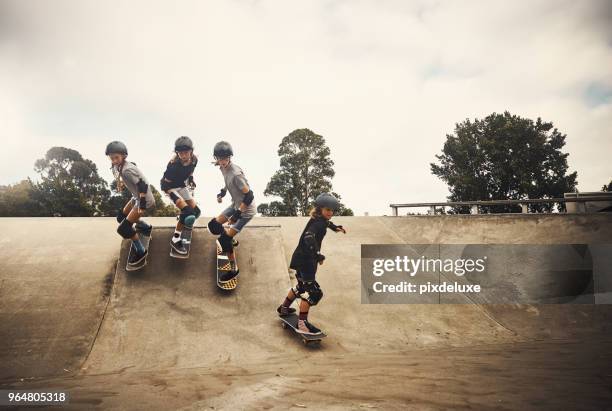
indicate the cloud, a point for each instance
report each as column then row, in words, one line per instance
column 383, row 82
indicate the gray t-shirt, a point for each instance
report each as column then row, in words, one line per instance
column 235, row 181
column 131, row 175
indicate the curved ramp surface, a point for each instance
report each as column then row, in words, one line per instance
column 172, row 314
column 166, row 337
column 55, row 279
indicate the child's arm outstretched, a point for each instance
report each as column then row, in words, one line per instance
column 336, row 228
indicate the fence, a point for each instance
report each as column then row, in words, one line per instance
column 600, row 202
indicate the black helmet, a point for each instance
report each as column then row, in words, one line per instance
column 223, row 149
column 183, row 143
column 116, row 147
column 327, row 200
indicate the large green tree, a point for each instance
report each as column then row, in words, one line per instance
column 306, row 170
column 504, row 156
column 69, row 184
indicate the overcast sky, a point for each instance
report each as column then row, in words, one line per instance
column 382, row 81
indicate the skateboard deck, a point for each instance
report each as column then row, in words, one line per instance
column 186, row 239
column 145, row 240
column 224, row 265
column 291, row 321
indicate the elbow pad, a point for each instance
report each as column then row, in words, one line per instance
column 248, row 198
column 142, row 186
column 222, row 193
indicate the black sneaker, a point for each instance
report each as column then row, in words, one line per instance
column 136, row 259
column 178, row 246
column 304, row 327
column 228, row 276
column 285, row 311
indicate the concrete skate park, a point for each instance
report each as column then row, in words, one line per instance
column 166, row 338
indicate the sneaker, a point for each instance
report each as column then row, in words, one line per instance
column 285, row 311
column 228, row 276
column 304, row 327
column 235, row 242
column 136, row 259
column 178, row 246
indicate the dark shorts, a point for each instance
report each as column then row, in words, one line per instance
column 305, row 276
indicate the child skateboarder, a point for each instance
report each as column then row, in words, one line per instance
column 241, row 210
column 179, row 175
column 128, row 175
column 305, row 259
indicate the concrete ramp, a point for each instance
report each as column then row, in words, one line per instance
column 69, row 307
column 55, row 280
column 172, row 314
column 165, row 337
column 364, row 328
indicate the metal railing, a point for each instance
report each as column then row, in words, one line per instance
column 522, row 203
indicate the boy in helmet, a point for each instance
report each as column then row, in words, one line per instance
column 242, row 208
column 179, row 175
column 128, row 175
column 305, row 259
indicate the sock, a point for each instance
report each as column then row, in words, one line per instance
column 287, row 302
column 303, row 316
column 177, row 236
column 138, row 246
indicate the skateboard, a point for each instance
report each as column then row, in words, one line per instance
column 186, row 239
column 145, row 239
column 291, row 321
column 224, row 265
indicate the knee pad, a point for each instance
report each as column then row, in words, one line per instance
column 314, row 297
column 120, row 216
column 215, row 227
column 125, row 229
column 185, row 212
column 197, row 212
column 226, row 243
column 312, row 288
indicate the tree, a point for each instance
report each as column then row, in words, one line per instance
column 274, row 209
column 607, row 187
column 70, row 185
column 505, row 157
column 17, row 200
column 306, row 170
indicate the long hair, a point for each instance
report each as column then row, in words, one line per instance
column 315, row 212
column 117, row 175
